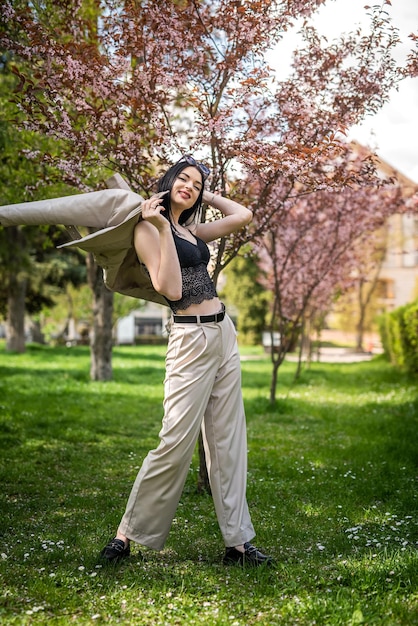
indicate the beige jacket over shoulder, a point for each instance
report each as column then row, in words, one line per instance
column 115, row 212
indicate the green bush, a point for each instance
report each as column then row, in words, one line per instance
column 399, row 337
column 383, row 325
column 411, row 334
column 396, row 329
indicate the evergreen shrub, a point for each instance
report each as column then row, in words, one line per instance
column 399, row 336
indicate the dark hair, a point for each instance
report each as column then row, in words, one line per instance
column 166, row 182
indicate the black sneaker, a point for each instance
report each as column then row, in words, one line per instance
column 115, row 551
column 251, row 557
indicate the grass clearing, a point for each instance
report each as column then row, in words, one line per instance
column 331, row 489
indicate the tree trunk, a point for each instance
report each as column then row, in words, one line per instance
column 101, row 340
column 304, row 345
column 360, row 330
column 15, row 324
column 362, row 301
column 300, row 358
column 36, row 332
column 16, row 291
column 274, row 382
column 365, row 291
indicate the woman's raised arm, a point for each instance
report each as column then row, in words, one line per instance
column 235, row 216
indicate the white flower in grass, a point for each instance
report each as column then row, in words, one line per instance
column 3, row 556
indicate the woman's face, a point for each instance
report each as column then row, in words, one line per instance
column 186, row 188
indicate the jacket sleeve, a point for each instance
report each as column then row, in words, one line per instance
column 97, row 209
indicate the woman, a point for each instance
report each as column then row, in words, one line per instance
column 203, row 380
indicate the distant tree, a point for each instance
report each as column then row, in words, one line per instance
column 358, row 308
column 310, row 253
column 27, row 265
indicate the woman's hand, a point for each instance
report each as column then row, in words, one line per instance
column 151, row 211
column 208, row 196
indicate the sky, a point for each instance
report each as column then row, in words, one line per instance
column 393, row 131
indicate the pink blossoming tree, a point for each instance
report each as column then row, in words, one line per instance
column 311, row 251
column 128, row 86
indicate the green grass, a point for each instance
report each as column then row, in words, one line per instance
column 332, row 492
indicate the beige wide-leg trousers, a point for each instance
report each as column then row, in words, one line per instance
column 202, row 389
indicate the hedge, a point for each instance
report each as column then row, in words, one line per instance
column 399, row 337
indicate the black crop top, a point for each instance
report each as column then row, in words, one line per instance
column 197, row 285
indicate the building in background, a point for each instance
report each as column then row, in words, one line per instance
column 145, row 325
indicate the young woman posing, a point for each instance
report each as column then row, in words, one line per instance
column 203, row 375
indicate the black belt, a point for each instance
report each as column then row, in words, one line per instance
column 196, row 319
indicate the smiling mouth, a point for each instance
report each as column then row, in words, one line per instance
column 185, row 195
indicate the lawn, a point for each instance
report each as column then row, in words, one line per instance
column 332, row 492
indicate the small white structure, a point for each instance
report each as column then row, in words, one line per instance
column 149, row 321
column 267, row 338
